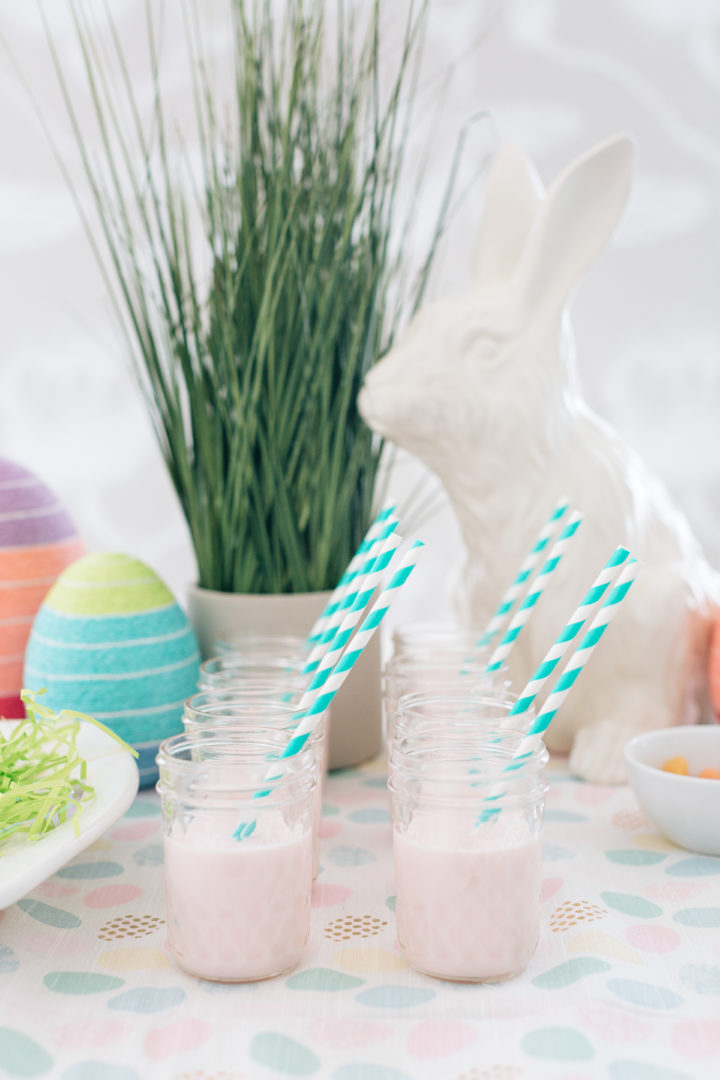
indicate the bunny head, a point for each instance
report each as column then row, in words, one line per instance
column 471, row 370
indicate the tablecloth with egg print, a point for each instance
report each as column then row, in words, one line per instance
column 625, row 982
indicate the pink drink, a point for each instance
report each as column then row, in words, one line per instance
column 238, row 910
column 468, row 897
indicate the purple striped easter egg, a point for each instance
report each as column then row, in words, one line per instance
column 37, row 541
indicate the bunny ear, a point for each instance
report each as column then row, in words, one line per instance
column 512, row 199
column 578, row 217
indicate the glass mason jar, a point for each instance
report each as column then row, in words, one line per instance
column 433, row 639
column 264, row 647
column 455, row 674
column 467, row 847
column 238, row 868
column 230, row 670
column 238, row 709
column 444, row 709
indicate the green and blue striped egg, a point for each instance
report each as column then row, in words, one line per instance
column 111, row 641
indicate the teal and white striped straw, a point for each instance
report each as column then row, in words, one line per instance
column 515, row 590
column 350, row 618
column 350, row 598
column 317, row 700
column 582, row 654
column 566, row 637
column 523, row 613
column 383, row 525
column 567, row 680
column 322, row 690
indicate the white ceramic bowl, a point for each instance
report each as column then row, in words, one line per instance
column 686, row 809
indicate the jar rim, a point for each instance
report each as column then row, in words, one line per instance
column 232, row 698
column 415, row 760
column 406, row 703
column 222, row 739
column 441, row 628
column 262, row 755
column 283, row 665
column 222, row 798
column 510, row 799
column 267, row 645
column 443, row 659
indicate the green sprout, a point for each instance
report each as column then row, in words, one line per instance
column 43, row 776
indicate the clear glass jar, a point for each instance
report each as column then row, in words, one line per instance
column 250, row 711
column 479, row 706
column 467, row 888
column 455, row 674
column 263, row 647
column 238, row 868
column 433, row 639
column 226, row 671
column 413, row 674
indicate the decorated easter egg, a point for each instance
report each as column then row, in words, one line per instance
column 714, row 669
column 37, row 541
column 111, row 641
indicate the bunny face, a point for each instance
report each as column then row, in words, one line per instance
column 439, row 386
column 475, row 373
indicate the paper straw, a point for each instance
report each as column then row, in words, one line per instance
column 532, row 559
column 523, row 613
column 321, row 695
column 568, row 634
column 379, row 526
column 338, row 637
column 350, row 599
column 567, row 680
column 315, row 702
column 584, row 651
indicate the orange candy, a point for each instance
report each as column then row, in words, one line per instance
column 676, row 765
column 679, row 765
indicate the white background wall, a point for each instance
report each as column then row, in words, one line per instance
column 556, row 76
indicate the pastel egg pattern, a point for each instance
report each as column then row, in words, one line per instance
column 110, row 640
column 283, row 1054
column 702, row 978
column 697, row 1038
column 598, row 943
column 21, row 1055
column 37, row 542
column 325, row 979
column 624, row 983
column 8, row 960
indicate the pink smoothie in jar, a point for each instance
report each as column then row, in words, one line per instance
column 238, row 909
column 238, row 839
column 467, row 844
column 468, row 899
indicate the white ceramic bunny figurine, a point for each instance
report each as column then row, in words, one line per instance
column 482, row 388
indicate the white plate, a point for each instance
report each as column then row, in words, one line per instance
column 113, row 773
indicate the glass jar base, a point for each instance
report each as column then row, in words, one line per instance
column 467, row 978
column 235, row 978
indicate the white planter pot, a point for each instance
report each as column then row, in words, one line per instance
column 355, row 714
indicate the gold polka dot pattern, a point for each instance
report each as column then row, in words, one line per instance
column 350, row 926
column 631, row 819
column 573, row 912
column 132, row 926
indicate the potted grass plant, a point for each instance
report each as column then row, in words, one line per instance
column 255, row 295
